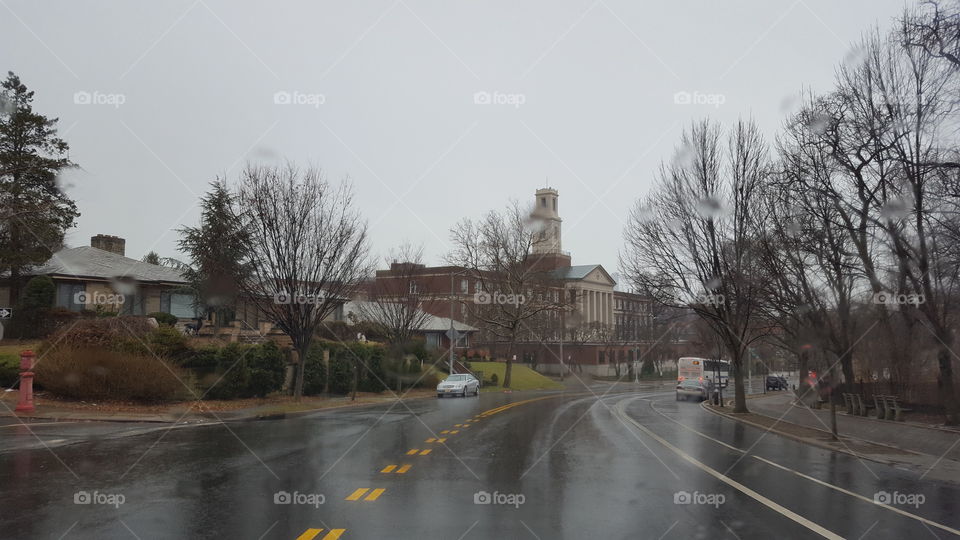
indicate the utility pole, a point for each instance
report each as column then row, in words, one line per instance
column 562, row 331
column 453, row 332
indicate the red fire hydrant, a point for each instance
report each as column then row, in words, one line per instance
column 26, row 382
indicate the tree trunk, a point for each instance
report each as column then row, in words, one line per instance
column 356, row 379
column 326, row 372
column 803, row 367
column 740, row 397
column 298, row 384
column 846, row 364
column 945, row 381
column 509, row 368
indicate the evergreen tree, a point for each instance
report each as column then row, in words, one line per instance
column 216, row 252
column 34, row 211
column 31, row 312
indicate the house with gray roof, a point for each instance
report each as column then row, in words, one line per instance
column 100, row 277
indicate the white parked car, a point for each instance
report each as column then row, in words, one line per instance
column 459, row 384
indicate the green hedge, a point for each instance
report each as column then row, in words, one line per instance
column 9, row 370
column 238, row 370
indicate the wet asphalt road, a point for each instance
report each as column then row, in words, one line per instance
column 632, row 464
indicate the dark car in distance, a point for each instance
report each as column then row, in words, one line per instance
column 776, row 382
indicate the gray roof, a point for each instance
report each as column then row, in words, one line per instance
column 90, row 262
column 574, row 272
column 431, row 323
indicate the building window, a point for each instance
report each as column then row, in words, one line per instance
column 554, row 205
column 69, row 296
column 178, row 305
column 132, row 304
column 412, row 287
column 543, row 202
column 464, row 286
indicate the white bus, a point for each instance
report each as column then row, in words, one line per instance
column 699, row 369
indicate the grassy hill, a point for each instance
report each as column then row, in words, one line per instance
column 521, row 377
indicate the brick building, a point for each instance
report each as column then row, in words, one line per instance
column 601, row 326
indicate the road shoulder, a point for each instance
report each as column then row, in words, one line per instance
column 928, row 466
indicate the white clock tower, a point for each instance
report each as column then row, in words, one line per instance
column 546, row 212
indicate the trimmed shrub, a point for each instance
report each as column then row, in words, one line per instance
column 9, row 370
column 341, row 371
column 168, row 342
column 109, row 333
column 164, row 318
column 86, row 373
column 266, row 364
column 239, row 371
column 31, row 312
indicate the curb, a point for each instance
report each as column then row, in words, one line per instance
column 840, row 411
column 814, row 442
column 91, row 419
column 204, row 416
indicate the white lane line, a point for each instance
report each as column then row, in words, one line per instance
column 812, row 479
column 31, row 424
column 786, row 512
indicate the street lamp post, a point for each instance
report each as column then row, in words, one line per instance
column 562, row 331
column 453, row 332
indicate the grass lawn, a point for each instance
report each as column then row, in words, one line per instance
column 10, row 361
column 521, row 377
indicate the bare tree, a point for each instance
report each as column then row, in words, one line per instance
column 806, row 251
column 934, row 27
column 394, row 303
column 497, row 252
column 306, row 249
column 691, row 244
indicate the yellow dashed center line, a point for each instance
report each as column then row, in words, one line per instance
column 374, row 494
column 310, row 534
column 388, row 468
column 412, row 451
column 444, row 431
column 403, row 469
column 425, row 452
column 357, row 494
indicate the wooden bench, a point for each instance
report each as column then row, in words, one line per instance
column 861, row 407
column 893, row 410
column 880, row 402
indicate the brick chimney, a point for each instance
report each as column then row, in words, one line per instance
column 106, row 242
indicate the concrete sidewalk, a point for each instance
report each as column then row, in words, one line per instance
column 939, row 442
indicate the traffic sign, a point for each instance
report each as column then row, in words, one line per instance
column 6, row 313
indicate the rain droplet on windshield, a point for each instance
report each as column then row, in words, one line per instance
column 709, row 207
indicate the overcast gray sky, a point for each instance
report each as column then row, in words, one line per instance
column 157, row 98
